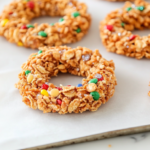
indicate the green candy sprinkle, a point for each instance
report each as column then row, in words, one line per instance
column 78, row 30
column 95, row 80
column 30, row 26
column 52, row 24
column 129, row 8
column 42, row 33
column 95, row 95
column 141, row 8
column 75, row 14
column 61, row 19
column 122, row 24
column 40, row 51
column 27, row 72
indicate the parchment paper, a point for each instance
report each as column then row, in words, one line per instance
column 22, row 127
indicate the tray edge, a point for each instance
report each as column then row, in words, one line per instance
column 104, row 135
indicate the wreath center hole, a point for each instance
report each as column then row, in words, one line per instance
column 66, row 79
column 141, row 33
column 46, row 19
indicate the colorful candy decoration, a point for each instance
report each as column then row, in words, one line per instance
column 42, row 33
column 99, row 77
column 54, row 92
column 59, row 101
column 10, row 13
column 141, row 8
column 24, row 27
column 128, row 8
column 92, row 86
column 132, row 37
column 95, row 80
column 75, row 14
column 109, row 27
column 27, row 72
column 40, row 51
column 30, row 4
column 44, row 86
column 61, row 19
column 30, row 26
column 122, row 24
column 44, row 92
column 95, row 95
column 20, row 44
column 79, row 85
column 78, row 30
column 4, row 22
column 59, row 88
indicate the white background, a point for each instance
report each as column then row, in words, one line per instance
column 22, row 127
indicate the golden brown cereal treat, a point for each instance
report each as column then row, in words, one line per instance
column 15, row 22
column 96, row 89
column 115, row 30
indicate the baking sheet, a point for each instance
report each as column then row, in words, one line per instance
column 22, row 127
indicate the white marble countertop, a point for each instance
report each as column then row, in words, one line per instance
column 139, row 141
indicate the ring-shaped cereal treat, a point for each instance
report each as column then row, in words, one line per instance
column 115, row 30
column 96, row 89
column 15, row 22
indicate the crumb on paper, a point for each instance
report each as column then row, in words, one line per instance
column 109, row 145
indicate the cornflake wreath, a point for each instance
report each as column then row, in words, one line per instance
column 16, row 28
column 115, row 30
column 96, row 89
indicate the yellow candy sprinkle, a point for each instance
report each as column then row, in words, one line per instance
column 30, row 78
column 4, row 22
column 54, row 92
column 25, row 1
column 44, row 92
column 20, row 44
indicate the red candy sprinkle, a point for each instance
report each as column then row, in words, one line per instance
column 44, row 86
column 109, row 27
column 59, row 101
column 24, row 27
column 101, row 79
column 59, row 88
column 30, row 5
column 10, row 13
column 132, row 37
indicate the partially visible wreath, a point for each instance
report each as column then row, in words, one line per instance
column 115, row 30
column 15, row 22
